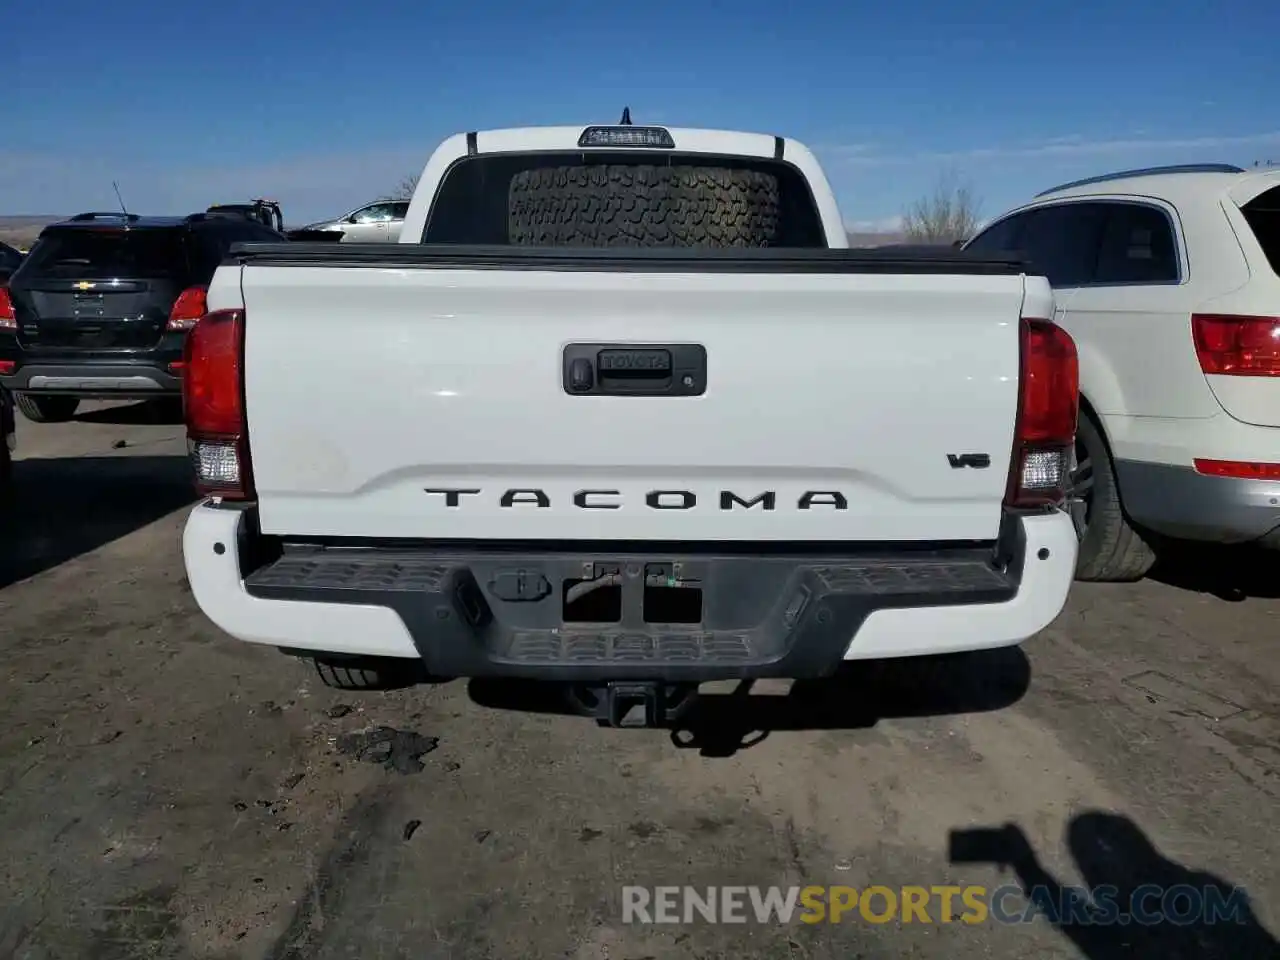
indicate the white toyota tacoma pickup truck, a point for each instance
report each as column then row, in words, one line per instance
column 622, row 410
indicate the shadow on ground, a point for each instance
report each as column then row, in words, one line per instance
column 166, row 411
column 857, row 696
column 1228, row 573
column 1134, row 901
column 63, row 507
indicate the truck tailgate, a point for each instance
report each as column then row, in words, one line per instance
column 393, row 400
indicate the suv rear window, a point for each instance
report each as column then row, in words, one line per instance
column 107, row 253
column 1138, row 246
column 1263, row 216
column 624, row 200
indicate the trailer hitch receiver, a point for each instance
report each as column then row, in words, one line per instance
column 634, row 703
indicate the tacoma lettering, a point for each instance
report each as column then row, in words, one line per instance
column 728, row 498
column 591, row 499
column 452, row 497
column 580, row 500
column 537, row 497
column 823, row 498
column 661, row 499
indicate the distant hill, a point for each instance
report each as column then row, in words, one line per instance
column 21, row 232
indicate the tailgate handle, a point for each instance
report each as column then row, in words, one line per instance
column 633, row 370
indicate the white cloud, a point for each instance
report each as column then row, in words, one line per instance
column 1065, row 146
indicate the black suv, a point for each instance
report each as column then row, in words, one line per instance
column 101, row 305
column 9, row 261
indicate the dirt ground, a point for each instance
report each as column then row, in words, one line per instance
column 166, row 792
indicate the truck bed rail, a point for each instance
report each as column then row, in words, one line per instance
column 882, row 260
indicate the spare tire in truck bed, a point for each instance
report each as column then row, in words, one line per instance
column 637, row 205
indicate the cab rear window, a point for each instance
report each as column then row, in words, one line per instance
column 621, row 199
column 104, row 254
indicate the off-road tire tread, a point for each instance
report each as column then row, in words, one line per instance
column 637, row 205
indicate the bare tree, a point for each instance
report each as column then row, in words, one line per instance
column 403, row 190
column 948, row 215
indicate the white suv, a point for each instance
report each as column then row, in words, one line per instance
column 1168, row 279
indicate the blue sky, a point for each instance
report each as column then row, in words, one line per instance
column 325, row 104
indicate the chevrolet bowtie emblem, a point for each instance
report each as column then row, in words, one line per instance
column 85, row 285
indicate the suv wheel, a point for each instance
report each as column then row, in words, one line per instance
column 1110, row 549
column 47, row 409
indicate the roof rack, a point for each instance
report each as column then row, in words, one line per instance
column 1147, row 172
column 104, row 215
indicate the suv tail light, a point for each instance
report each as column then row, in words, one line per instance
column 213, row 402
column 1237, row 346
column 1048, row 405
column 1237, row 469
column 190, row 306
column 8, row 318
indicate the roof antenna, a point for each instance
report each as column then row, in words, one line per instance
column 116, row 187
column 626, row 117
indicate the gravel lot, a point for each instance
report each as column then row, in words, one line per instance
column 166, row 792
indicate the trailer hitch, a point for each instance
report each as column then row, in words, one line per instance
column 626, row 703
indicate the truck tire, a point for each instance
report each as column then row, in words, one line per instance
column 47, row 409
column 367, row 673
column 1111, row 550
column 638, row 205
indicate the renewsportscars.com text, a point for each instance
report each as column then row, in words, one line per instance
column 1103, row 905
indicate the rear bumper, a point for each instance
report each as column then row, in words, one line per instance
column 95, row 380
column 764, row 614
column 1179, row 502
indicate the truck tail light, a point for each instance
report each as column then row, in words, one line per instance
column 1048, row 406
column 190, row 306
column 1232, row 345
column 213, row 402
column 8, row 317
